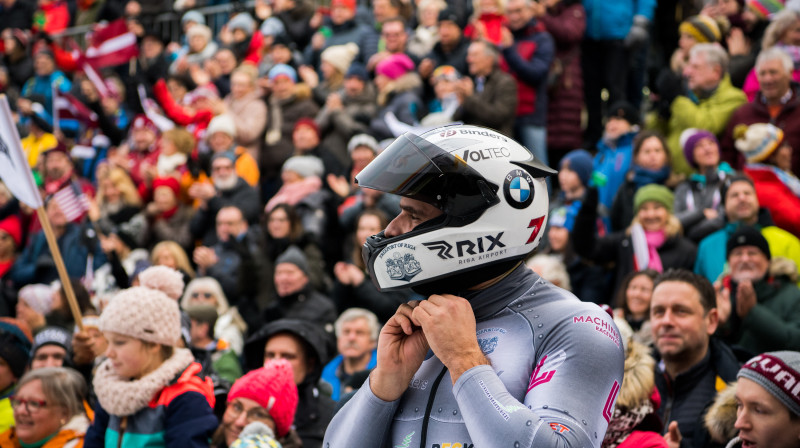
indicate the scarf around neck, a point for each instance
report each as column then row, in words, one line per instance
column 122, row 397
column 645, row 248
column 643, row 176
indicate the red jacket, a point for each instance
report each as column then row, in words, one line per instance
column 196, row 122
column 775, row 196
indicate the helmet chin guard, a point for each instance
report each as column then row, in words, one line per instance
column 491, row 192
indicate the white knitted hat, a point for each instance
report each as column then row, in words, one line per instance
column 759, row 141
column 146, row 312
column 340, row 56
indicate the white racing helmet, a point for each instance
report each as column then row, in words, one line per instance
column 494, row 201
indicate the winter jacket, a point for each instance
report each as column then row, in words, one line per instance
column 315, row 408
column 18, row 15
column 711, row 114
column 773, row 323
column 70, row 435
column 721, row 416
column 402, row 97
column 457, row 56
column 567, row 24
column 711, row 256
column 250, row 114
column 51, row 18
column 756, row 111
column 612, row 20
column 297, row 20
column 242, row 195
column 307, row 305
column 776, row 195
column 229, row 270
column 528, row 61
column 495, row 107
column 36, row 265
column 43, row 86
column 338, row 126
column 331, row 370
column 349, row 31
column 179, row 414
column 686, row 397
column 288, row 111
column 20, row 68
column 676, row 252
column 611, row 164
column 173, row 227
column 697, row 193
column 195, row 122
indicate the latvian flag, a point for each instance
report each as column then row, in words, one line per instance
column 111, row 44
column 70, row 112
column 73, row 205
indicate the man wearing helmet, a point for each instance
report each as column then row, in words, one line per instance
column 495, row 356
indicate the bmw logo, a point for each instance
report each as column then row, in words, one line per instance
column 518, row 189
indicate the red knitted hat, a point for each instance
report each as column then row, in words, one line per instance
column 272, row 387
column 169, row 182
column 307, row 122
column 13, row 227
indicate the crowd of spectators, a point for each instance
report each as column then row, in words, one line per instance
column 226, row 149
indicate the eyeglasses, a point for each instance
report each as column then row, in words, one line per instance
column 254, row 414
column 31, row 406
column 207, row 295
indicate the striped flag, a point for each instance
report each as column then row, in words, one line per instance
column 73, row 205
column 69, row 109
column 111, row 44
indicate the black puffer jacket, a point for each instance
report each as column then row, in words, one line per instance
column 316, row 408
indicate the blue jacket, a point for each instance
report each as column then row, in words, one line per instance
column 43, row 85
column 36, row 265
column 610, row 20
column 329, row 373
column 610, row 167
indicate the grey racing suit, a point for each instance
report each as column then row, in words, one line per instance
column 556, row 369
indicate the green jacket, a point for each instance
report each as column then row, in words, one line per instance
column 711, row 114
column 773, row 323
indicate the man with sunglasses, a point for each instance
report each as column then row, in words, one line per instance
column 495, row 356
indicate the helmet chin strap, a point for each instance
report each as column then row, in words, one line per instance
column 454, row 284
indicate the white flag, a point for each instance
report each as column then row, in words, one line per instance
column 14, row 169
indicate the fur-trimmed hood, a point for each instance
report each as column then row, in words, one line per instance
column 721, row 416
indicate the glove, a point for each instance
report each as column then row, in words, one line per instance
column 638, row 34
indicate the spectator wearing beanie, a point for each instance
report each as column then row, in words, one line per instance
column 652, row 240
column 169, row 216
column 295, row 296
column 302, row 189
column 221, row 136
column 34, row 302
column 267, row 395
column 200, row 46
column 306, row 139
column 147, row 382
column 289, row 102
column 698, row 199
column 761, row 383
column 769, row 165
column 650, row 165
column 335, row 62
column 759, row 301
column 615, row 151
column 15, row 349
column 398, row 93
column 52, row 347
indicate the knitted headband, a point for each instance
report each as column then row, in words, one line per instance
column 703, row 28
column 777, row 372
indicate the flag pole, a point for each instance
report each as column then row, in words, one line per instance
column 52, row 242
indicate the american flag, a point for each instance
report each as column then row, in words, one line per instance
column 73, row 205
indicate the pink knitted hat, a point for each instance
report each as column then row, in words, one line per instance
column 394, row 66
column 273, row 388
column 147, row 312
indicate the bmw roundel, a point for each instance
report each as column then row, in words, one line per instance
column 518, row 189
